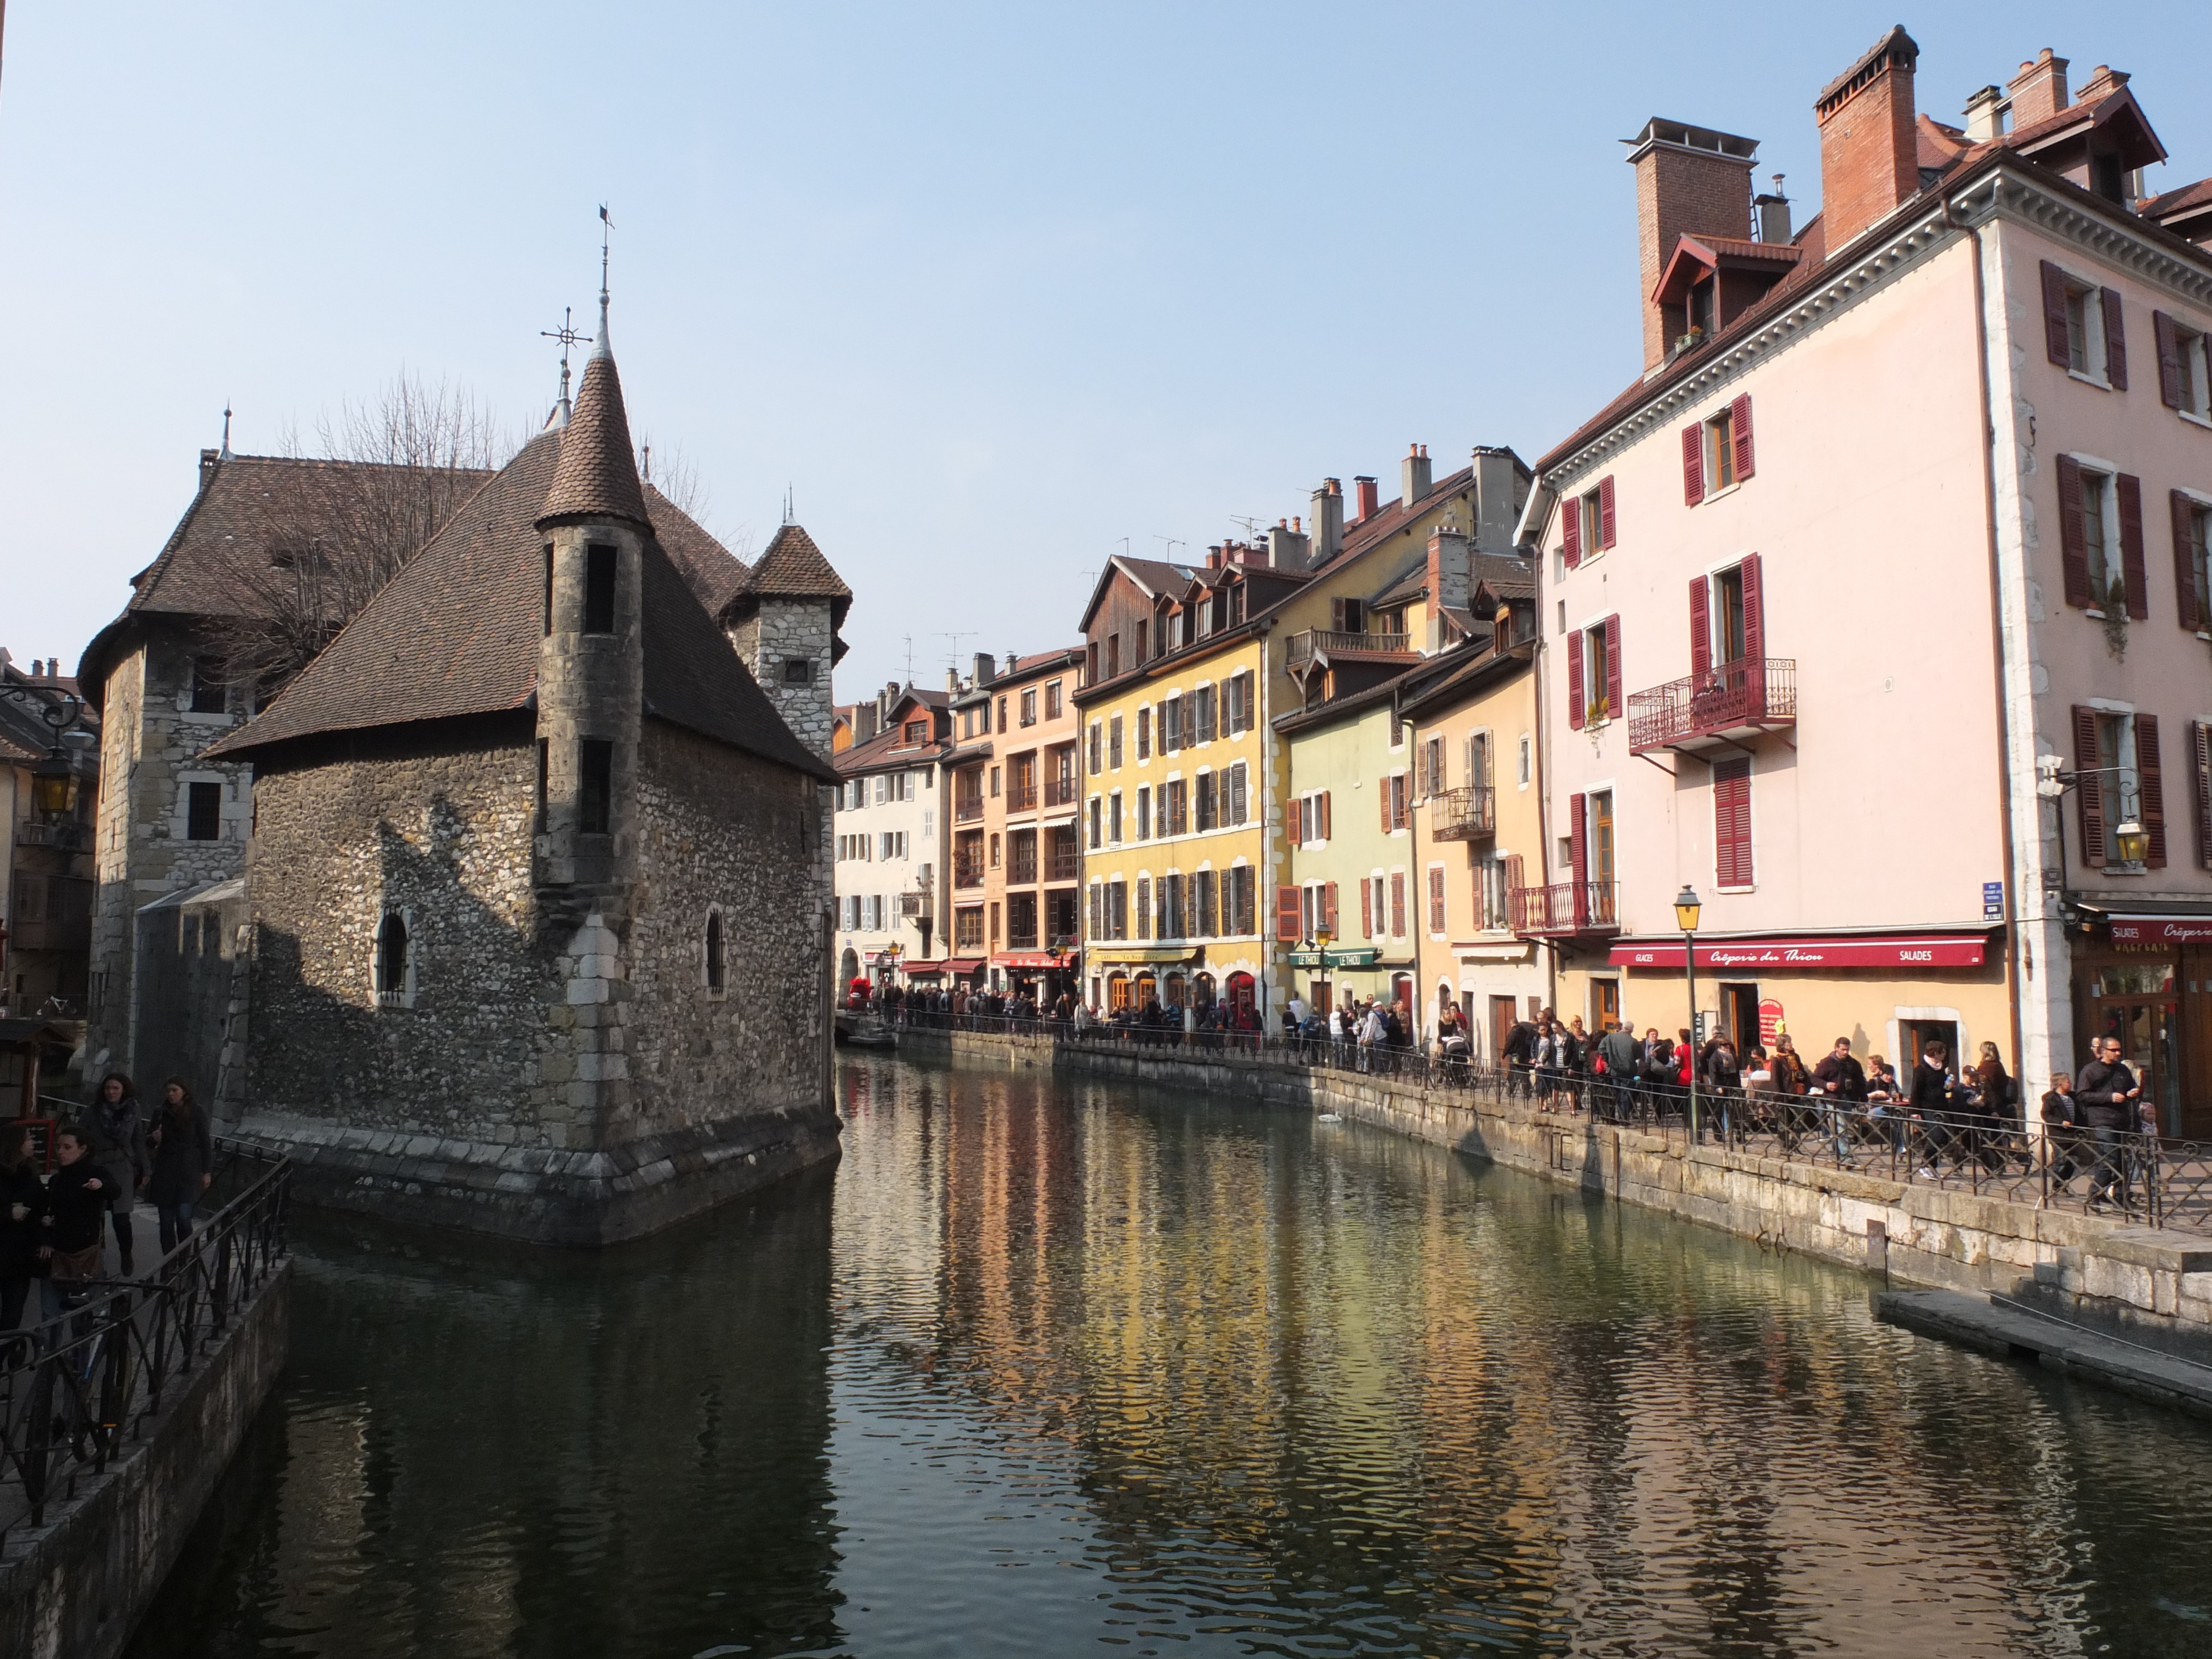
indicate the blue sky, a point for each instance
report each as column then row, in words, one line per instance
column 989, row 288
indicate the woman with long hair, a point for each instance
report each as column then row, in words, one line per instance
column 115, row 1129
column 23, row 1199
column 183, row 1162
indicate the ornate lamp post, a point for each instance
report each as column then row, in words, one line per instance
column 53, row 780
column 1686, row 908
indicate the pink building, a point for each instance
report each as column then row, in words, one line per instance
column 1875, row 609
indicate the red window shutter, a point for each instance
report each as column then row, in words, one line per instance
column 2169, row 359
column 1397, row 904
column 1286, row 915
column 1575, row 679
column 1366, row 908
column 2182, row 511
column 2090, row 789
column 2200, row 743
column 1740, row 419
column 1382, row 800
column 1693, row 463
column 2054, row 314
column 2074, row 545
column 1614, row 707
column 2131, row 546
column 1732, row 822
column 1297, row 814
column 1329, row 908
column 1605, row 511
column 1572, row 526
column 2150, row 780
column 1324, row 815
column 2116, row 342
column 1701, row 627
column 1754, row 608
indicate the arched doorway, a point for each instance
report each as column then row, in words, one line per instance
column 1117, row 993
column 848, row 966
column 1144, row 990
column 1173, row 994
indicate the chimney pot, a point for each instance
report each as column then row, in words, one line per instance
column 1985, row 113
column 987, row 667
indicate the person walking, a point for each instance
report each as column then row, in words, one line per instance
column 183, row 1162
column 1791, row 1080
column 77, row 1196
column 117, row 1129
column 22, row 1199
column 1929, row 1103
column 2111, row 1099
column 1840, row 1083
column 1722, row 1075
column 1622, row 1058
column 1519, row 1054
column 2063, row 1123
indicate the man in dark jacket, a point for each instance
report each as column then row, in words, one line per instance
column 1519, row 1054
column 1623, row 1057
column 1839, row 1085
column 78, row 1194
column 1929, row 1103
column 2110, row 1099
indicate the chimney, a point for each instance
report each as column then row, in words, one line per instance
column 1328, row 521
column 2104, row 80
column 986, row 669
column 209, row 458
column 1869, row 151
column 1214, row 559
column 868, row 721
column 1365, row 487
column 1413, row 475
column 1288, row 548
column 1687, row 178
column 1448, row 582
column 1985, row 113
column 1497, row 482
column 2039, row 90
column 1773, row 214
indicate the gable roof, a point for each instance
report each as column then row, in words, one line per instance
column 710, row 570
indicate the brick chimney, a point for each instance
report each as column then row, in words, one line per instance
column 1413, row 475
column 2104, row 80
column 1869, row 151
column 1687, row 178
column 2039, row 90
column 1449, row 583
column 986, row 668
column 1328, row 521
column 1365, row 487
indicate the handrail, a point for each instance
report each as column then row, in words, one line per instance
column 1463, row 814
column 1310, row 642
column 1750, row 693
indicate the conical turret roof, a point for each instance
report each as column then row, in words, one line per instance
column 597, row 477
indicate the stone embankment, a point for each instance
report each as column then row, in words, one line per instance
column 2149, row 1284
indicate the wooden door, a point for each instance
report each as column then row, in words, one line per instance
column 1503, row 1018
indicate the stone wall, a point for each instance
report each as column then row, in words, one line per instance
column 782, row 628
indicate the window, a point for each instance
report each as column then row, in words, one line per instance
column 1397, row 904
column 391, row 959
column 1732, row 866
column 1309, row 817
column 1144, row 734
column 1347, row 616
column 595, row 795
column 1394, row 792
column 917, row 734
column 1117, row 909
column 1432, row 768
column 1525, row 764
column 1716, row 452
column 544, row 778
column 1497, row 893
column 1140, row 641
column 715, row 964
column 1030, row 706
column 1171, row 726
column 1201, row 714
column 798, row 671
column 1097, row 762
column 2083, row 328
column 1587, row 524
column 548, row 587
column 2192, row 538
column 1720, row 451
column 1598, row 821
column 1235, row 706
column 1593, row 673
column 1021, row 922
column 1235, row 808
column 994, row 783
column 1203, row 899
column 1113, row 743
column 1174, row 918
column 1176, row 810
column 1437, row 900
column 2185, row 367
column 1144, row 813
column 968, row 928
column 598, row 589
column 2122, row 750
column 203, row 811
column 1241, row 901
column 1204, row 801
column 1003, row 724
column 1113, row 655
column 1052, row 700
column 1097, row 823
column 208, row 692
column 994, row 850
column 1477, row 758
column 1113, row 817
column 2101, row 538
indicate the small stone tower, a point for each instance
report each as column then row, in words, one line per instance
column 784, row 622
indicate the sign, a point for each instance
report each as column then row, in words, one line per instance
column 1030, row 959
column 1705, row 1020
column 1812, row 952
column 2161, row 932
column 1365, row 958
column 1992, row 901
column 1770, row 1021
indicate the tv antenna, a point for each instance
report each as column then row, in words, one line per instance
column 1173, row 542
column 1251, row 526
column 952, row 657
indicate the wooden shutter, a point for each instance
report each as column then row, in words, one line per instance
column 1324, row 815
column 1605, row 511
column 1740, row 419
column 1754, row 609
column 1437, row 900
column 2074, row 545
column 2199, row 746
column 1382, row 800
column 1615, row 709
column 1693, row 463
column 1336, row 617
column 2054, row 315
column 1732, row 822
column 2182, row 510
column 2131, row 545
column 2090, row 789
column 1366, row 908
column 1286, row 915
column 1575, row 679
column 1701, row 627
column 1397, row 904
column 1297, row 814
column 2116, row 342
column 1329, row 908
column 2151, row 779
column 2169, row 359
column 1577, row 858
column 1573, row 530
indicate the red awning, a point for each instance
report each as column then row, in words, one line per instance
column 963, row 965
column 1031, row 959
column 2162, row 930
column 1799, row 952
column 933, row 967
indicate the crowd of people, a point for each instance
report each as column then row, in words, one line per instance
column 56, row 1228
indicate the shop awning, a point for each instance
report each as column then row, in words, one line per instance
column 2154, row 930
column 1142, row 953
column 963, row 966
column 1788, row 953
column 925, row 969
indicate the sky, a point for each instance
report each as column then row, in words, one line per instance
column 993, row 292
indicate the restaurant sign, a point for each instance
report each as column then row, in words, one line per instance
column 1812, row 952
column 2161, row 932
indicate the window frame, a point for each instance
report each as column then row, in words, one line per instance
column 382, row 993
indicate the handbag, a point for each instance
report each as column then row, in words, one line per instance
column 76, row 1264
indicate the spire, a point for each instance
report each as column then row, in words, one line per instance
column 567, row 336
column 226, row 429
column 596, row 475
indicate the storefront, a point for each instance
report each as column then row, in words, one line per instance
column 1329, row 979
column 1041, row 974
column 1130, row 975
column 2147, row 980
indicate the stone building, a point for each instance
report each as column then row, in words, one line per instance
column 784, row 622
column 537, row 885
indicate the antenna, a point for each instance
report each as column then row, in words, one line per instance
column 1251, row 526
column 1173, row 542
column 908, row 638
column 787, row 518
column 226, row 428
column 952, row 659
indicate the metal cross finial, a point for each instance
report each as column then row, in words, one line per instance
column 567, row 336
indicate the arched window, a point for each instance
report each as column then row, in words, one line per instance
column 392, row 958
column 715, row 969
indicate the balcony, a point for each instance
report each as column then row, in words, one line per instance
column 1060, row 792
column 1467, row 813
column 1567, row 908
column 1322, row 641
column 1022, row 867
column 1729, row 706
column 1064, row 867
column 967, row 809
column 968, row 869
column 917, row 907
column 1021, row 795
column 63, row 834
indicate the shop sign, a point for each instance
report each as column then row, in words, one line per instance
column 2161, row 932
column 1770, row 1021
column 1811, row 952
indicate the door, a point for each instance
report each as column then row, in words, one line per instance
column 1605, row 1004
column 1502, row 1021
column 1318, row 992
column 2140, row 1003
column 1739, row 1016
column 1913, row 1037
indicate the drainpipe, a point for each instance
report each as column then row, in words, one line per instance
column 1529, row 533
column 1996, row 648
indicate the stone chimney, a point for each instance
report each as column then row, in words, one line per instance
column 1773, row 210
column 986, row 669
column 1869, row 151
column 868, row 721
column 1328, row 521
column 1985, row 112
column 1365, row 488
column 1497, row 482
column 2039, row 90
column 1289, row 547
column 1687, row 178
column 1413, row 475
column 1450, row 584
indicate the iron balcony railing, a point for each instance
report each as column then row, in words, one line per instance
column 917, row 907
column 1022, row 868
column 1566, row 906
column 1466, row 813
column 1060, row 792
column 63, row 834
column 967, row 869
column 1064, row 867
column 967, row 809
column 1021, row 796
column 1734, row 700
column 1305, row 645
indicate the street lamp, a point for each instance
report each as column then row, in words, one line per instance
column 53, row 780
column 2131, row 841
column 1686, row 906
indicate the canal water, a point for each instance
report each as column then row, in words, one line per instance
column 1052, row 1367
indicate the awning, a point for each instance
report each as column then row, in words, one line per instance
column 2162, row 930
column 925, row 969
column 963, row 966
column 1142, row 953
column 1036, row 959
column 1799, row 952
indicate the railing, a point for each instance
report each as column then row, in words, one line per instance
column 1566, row 906
column 1022, row 868
column 77, row 1391
column 1753, row 694
column 967, row 869
column 1060, row 792
column 1021, row 796
column 966, row 809
column 1064, row 867
column 1463, row 814
column 1304, row 646
column 917, row 906
column 64, row 834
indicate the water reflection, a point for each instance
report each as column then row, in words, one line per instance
column 1069, row 1366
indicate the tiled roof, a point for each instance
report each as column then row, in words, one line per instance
column 888, row 748
column 598, row 474
column 712, row 571
column 457, row 632
column 1504, row 575
column 793, row 567
column 1016, row 667
column 2168, row 204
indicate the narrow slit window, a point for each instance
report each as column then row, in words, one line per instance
column 598, row 589
column 714, row 964
column 392, row 958
column 595, row 791
column 548, row 587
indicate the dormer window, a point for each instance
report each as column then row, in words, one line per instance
column 917, row 734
